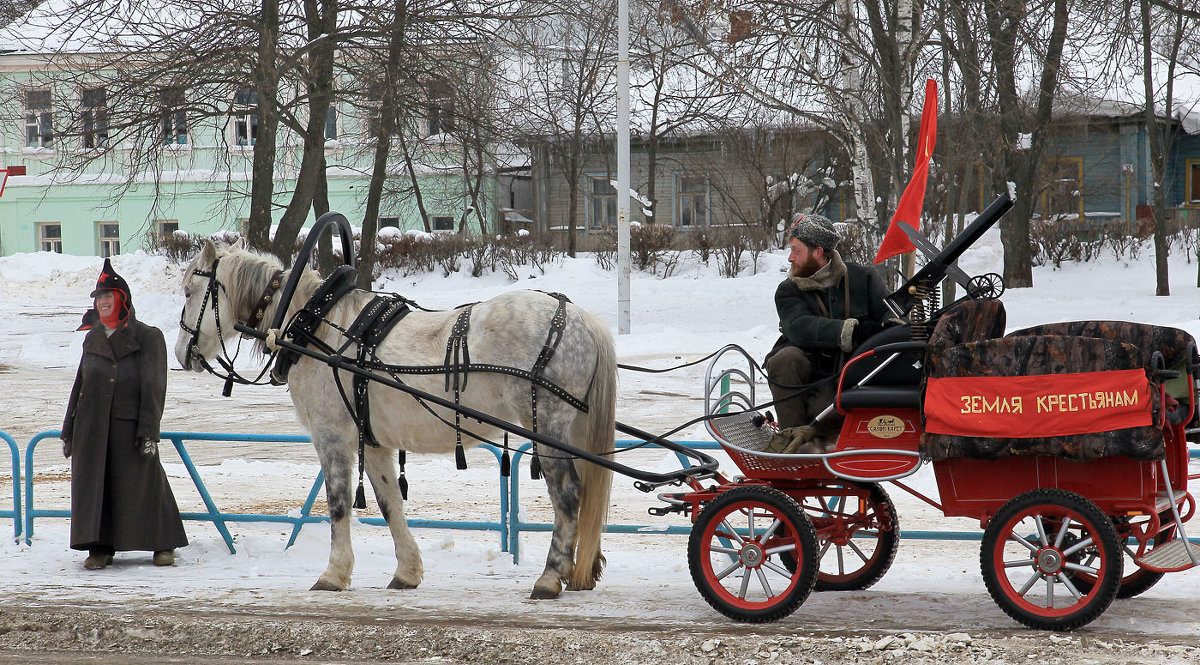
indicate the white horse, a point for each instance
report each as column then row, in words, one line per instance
column 510, row 330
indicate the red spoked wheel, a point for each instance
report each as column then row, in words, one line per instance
column 857, row 537
column 1137, row 580
column 1035, row 548
column 736, row 552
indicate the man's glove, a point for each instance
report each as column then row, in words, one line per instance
column 148, row 447
column 67, row 448
column 864, row 330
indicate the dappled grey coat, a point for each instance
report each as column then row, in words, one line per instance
column 119, row 498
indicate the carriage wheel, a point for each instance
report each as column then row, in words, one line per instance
column 857, row 538
column 1036, row 545
column 1138, row 580
column 735, row 554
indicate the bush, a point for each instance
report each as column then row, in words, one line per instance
column 178, row 247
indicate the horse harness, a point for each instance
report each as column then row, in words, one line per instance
column 372, row 326
column 254, row 320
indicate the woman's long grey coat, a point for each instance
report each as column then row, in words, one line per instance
column 119, row 498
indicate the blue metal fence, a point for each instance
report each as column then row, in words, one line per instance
column 221, row 519
column 516, row 526
column 15, row 513
column 508, row 524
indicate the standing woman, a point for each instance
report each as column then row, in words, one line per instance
column 120, row 498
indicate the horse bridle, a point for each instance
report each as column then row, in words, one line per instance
column 226, row 361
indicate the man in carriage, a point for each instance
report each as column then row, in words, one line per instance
column 827, row 308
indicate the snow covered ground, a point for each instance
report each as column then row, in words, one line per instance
column 933, row 585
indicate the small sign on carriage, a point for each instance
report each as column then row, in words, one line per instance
column 1038, row 406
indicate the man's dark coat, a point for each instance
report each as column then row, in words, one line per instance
column 813, row 310
column 119, row 498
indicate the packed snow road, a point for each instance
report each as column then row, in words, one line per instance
column 216, row 607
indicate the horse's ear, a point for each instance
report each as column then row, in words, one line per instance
column 209, row 253
column 242, row 243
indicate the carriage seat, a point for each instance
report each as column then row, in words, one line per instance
column 1176, row 349
column 899, row 385
column 1050, row 351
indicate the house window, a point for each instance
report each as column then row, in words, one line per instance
column 393, row 222
column 691, row 200
column 50, row 237
column 109, row 234
column 441, row 109
column 1063, row 195
column 1192, row 182
column 602, row 202
column 166, row 228
column 331, row 123
column 93, row 118
column 442, row 223
column 173, row 123
column 245, row 117
column 39, row 119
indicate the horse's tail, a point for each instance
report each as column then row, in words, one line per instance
column 596, row 480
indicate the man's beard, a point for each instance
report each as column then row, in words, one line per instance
column 806, row 269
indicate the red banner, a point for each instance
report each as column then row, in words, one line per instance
column 1031, row 406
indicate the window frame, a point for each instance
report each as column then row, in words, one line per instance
column 439, row 109
column 594, row 201
column 55, row 242
column 433, row 223
column 161, row 225
column 680, row 197
column 333, row 117
column 1191, row 183
column 173, row 127
column 108, row 245
column 93, row 118
column 39, row 119
column 1053, row 167
column 244, row 112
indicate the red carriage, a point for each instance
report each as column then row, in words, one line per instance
column 1067, row 442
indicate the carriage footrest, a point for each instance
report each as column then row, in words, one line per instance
column 1170, row 557
column 740, row 430
column 1162, row 502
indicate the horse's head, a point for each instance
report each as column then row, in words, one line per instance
column 204, row 298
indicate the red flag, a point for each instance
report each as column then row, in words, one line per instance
column 908, row 211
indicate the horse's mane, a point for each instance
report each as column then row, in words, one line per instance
column 251, row 271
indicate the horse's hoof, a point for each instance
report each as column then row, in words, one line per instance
column 323, row 586
column 543, row 594
column 576, row 587
column 397, row 584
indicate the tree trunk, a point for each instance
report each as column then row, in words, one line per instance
column 321, row 20
column 1159, row 208
column 387, row 125
column 860, row 160
column 418, row 196
column 1004, row 20
column 266, row 84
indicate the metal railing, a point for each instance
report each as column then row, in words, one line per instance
column 220, row 519
column 15, row 513
column 508, row 524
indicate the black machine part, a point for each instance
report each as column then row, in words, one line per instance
column 902, row 300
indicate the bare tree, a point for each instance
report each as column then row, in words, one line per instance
column 562, row 84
